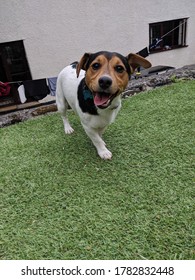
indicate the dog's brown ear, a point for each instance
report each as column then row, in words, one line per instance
column 136, row 60
column 82, row 63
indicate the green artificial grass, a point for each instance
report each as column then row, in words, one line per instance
column 59, row 200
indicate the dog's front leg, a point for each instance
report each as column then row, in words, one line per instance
column 98, row 142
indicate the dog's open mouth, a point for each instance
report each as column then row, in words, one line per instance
column 103, row 99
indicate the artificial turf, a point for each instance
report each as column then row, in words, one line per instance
column 59, row 200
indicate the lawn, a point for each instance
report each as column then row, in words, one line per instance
column 59, row 200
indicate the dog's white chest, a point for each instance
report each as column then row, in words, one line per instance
column 104, row 117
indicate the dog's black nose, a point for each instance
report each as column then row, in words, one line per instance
column 105, row 82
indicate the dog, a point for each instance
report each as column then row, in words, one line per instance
column 92, row 87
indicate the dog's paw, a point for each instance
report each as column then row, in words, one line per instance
column 105, row 154
column 68, row 130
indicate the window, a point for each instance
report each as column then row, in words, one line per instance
column 167, row 35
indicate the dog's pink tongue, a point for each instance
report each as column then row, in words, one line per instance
column 100, row 99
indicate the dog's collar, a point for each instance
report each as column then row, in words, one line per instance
column 85, row 99
column 87, row 94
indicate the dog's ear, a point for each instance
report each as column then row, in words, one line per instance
column 136, row 60
column 82, row 63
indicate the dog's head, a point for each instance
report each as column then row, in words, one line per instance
column 107, row 73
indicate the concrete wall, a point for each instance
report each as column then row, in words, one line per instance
column 57, row 32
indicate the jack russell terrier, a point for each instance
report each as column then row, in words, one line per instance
column 92, row 88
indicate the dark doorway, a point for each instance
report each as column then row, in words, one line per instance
column 13, row 62
column 14, row 69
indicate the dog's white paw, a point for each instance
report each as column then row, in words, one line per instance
column 105, row 154
column 68, row 130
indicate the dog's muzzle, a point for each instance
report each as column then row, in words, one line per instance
column 103, row 97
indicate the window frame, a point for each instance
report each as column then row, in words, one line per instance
column 177, row 37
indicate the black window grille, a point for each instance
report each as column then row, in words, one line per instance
column 167, row 35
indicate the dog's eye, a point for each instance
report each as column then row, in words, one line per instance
column 96, row 66
column 119, row 69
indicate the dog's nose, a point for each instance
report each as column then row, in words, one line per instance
column 105, row 82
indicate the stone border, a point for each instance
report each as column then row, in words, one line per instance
column 25, row 114
column 144, row 83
